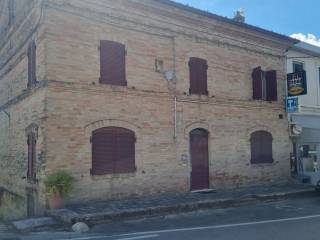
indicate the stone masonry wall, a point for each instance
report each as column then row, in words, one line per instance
column 20, row 107
column 78, row 104
column 69, row 103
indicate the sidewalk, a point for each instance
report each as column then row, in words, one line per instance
column 105, row 211
column 7, row 231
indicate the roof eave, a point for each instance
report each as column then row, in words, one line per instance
column 285, row 38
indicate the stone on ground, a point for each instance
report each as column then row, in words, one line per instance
column 80, row 227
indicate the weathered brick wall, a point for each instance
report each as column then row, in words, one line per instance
column 159, row 157
column 73, row 103
column 13, row 145
column 155, row 147
column 19, row 106
column 147, row 106
column 14, row 40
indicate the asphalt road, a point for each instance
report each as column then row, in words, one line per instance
column 288, row 219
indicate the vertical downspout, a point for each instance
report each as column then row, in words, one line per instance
column 318, row 80
column 285, row 82
column 175, row 88
column 175, row 118
column 285, row 103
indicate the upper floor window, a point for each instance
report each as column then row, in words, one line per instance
column 198, row 76
column 297, row 66
column 261, row 147
column 113, row 151
column 11, row 5
column 264, row 85
column 32, row 76
column 112, row 63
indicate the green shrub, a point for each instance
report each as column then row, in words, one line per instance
column 59, row 183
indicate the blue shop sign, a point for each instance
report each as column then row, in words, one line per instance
column 292, row 104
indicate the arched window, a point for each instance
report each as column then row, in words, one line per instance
column 261, row 147
column 113, row 151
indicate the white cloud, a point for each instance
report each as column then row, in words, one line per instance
column 309, row 38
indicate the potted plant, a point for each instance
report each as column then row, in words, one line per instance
column 58, row 185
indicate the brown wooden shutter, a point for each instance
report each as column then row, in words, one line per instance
column 255, row 148
column 113, row 151
column 271, row 86
column 32, row 78
column 11, row 12
column 198, row 76
column 112, row 63
column 257, row 83
column 125, row 151
column 261, row 147
column 29, row 170
column 31, row 173
column 266, row 147
column 103, row 151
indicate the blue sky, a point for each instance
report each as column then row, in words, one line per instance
column 282, row 16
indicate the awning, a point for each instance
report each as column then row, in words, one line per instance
column 310, row 135
column 306, row 121
column 310, row 128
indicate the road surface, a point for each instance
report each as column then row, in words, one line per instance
column 293, row 219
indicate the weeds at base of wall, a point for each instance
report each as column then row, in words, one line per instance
column 12, row 206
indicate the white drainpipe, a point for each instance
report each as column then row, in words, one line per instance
column 175, row 118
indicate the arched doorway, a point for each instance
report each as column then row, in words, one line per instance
column 199, row 159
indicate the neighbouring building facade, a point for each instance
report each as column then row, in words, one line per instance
column 137, row 98
column 303, row 60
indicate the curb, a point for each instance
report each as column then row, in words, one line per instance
column 71, row 217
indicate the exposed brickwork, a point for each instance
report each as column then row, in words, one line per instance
column 69, row 103
column 20, row 107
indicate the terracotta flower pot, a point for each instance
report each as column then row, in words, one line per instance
column 55, row 201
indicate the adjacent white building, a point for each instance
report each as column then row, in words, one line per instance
column 304, row 123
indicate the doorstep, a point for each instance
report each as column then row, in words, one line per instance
column 114, row 210
column 206, row 190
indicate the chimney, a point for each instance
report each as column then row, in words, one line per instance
column 239, row 16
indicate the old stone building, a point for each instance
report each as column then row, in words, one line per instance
column 136, row 97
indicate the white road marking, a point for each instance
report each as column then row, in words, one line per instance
column 139, row 237
column 84, row 238
column 221, row 226
column 197, row 228
column 101, row 237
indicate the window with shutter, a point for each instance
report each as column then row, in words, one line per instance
column 11, row 5
column 271, row 86
column 112, row 63
column 113, row 151
column 257, row 83
column 264, row 85
column 32, row 79
column 261, row 147
column 198, row 76
column 31, row 172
